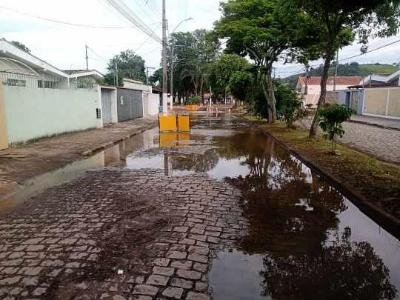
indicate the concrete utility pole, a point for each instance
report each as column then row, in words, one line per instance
column 164, row 60
column 87, row 57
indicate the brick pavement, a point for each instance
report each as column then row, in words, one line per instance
column 118, row 234
column 380, row 142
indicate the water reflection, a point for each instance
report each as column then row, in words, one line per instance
column 294, row 219
column 340, row 270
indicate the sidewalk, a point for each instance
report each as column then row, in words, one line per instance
column 377, row 141
column 378, row 122
column 26, row 161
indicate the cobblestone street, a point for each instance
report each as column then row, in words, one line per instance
column 118, row 234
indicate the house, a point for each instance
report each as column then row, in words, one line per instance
column 377, row 80
column 310, row 87
column 150, row 98
column 39, row 100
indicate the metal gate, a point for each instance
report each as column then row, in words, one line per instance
column 129, row 104
column 106, row 105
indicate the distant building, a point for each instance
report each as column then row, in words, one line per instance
column 310, row 87
column 377, row 80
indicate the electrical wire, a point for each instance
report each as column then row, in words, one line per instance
column 127, row 13
column 64, row 22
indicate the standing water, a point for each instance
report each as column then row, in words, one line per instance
column 305, row 240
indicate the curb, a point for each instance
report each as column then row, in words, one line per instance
column 374, row 125
column 116, row 141
column 387, row 221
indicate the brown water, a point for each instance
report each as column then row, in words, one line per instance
column 305, row 239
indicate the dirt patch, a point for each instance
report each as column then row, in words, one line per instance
column 374, row 182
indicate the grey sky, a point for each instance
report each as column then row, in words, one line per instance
column 63, row 45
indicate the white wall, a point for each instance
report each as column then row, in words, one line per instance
column 151, row 103
column 33, row 113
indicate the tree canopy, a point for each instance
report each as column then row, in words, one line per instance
column 126, row 65
column 21, row 46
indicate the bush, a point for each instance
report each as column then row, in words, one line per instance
column 288, row 105
column 194, row 100
column 330, row 118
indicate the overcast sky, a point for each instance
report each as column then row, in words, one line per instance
column 64, row 45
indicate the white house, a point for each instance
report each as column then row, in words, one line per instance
column 375, row 80
column 39, row 100
column 310, row 87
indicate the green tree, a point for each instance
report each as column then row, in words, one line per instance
column 126, row 65
column 240, row 84
column 21, row 46
column 222, row 71
column 338, row 23
column 330, row 119
column 262, row 30
column 192, row 56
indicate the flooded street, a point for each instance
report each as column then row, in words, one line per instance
column 276, row 229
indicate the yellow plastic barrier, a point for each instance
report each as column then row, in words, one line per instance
column 167, row 122
column 183, row 123
column 168, row 140
column 193, row 107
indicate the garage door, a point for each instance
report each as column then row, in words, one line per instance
column 129, row 104
column 106, row 105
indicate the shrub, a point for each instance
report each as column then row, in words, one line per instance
column 194, row 100
column 330, row 118
column 288, row 105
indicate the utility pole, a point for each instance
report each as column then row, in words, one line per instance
column 336, row 70
column 87, row 57
column 164, row 59
column 172, row 74
column 116, row 75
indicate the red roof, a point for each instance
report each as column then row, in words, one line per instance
column 340, row 80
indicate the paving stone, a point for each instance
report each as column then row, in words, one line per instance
column 162, row 262
column 183, row 283
column 177, row 255
column 198, row 258
column 199, row 250
column 145, row 290
column 10, row 280
column 39, row 291
column 35, row 248
column 163, row 271
column 194, row 275
column 181, row 229
column 157, row 280
column 31, row 271
column 201, row 286
column 197, row 296
column 182, row 264
column 200, row 267
column 173, row 292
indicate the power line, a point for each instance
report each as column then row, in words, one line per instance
column 64, row 22
column 372, row 50
column 126, row 12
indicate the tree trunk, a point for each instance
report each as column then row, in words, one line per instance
column 268, row 89
column 271, row 98
column 322, row 97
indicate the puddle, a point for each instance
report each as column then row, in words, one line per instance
column 305, row 240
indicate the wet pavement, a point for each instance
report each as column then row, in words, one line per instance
column 223, row 212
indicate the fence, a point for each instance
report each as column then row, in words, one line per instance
column 33, row 113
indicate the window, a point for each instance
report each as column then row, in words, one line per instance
column 16, row 82
column 47, row 84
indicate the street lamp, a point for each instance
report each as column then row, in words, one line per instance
column 172, row 60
